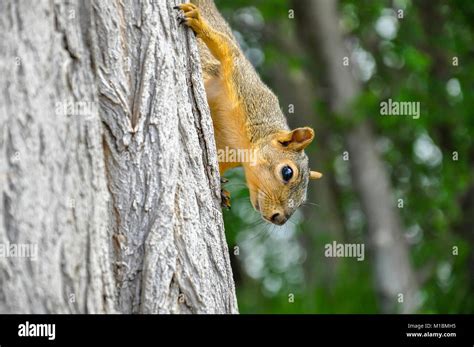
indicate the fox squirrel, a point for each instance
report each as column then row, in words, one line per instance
column 246, row 115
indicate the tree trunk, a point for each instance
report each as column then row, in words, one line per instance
column 108, row 163
column 393, row 272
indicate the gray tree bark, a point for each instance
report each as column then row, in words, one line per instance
column 394, row 274
column 108, row 163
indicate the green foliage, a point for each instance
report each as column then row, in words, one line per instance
column 415, row 65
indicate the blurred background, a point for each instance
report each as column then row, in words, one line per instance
column 402, row 186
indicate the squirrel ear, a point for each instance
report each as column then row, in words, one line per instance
column 297, row 139
column 314, row 175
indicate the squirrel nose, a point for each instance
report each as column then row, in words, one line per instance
column 278, row 218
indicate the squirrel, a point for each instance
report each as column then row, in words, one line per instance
column 246, row 115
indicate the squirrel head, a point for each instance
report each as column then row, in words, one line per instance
column 279, row 175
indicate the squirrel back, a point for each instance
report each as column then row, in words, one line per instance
column 261, row 104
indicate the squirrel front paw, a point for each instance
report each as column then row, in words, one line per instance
column 191, row 17
column 225, row 195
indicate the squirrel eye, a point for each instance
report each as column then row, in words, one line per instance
column 286, row 173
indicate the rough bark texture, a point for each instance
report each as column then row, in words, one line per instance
column 393, row 272
column 120, row 192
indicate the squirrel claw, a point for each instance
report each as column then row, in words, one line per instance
column 180, row 18
column 225, row 195
column 225, row 199
column 189, row 14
